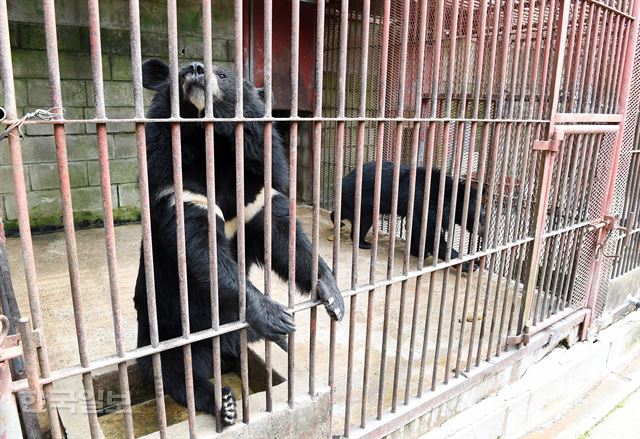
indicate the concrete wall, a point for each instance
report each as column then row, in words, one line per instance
column 32, row 92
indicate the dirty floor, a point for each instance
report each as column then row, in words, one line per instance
column 57, row 310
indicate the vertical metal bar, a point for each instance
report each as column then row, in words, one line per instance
column 384, row 56
column 467, row 190
column 211, row 209
column 242, row 271
column 608, row 72
column 342, row 74
column 546, row 170
column 65, row 188
column 268, row 129
column 573, row 42
column 358, row 199
column 6, row 68
column 8, row 409
column 458, row 146
column 623, row 99
column 176, row 147
column 317, row 142
column 576, row 64
column 614, row 85
column 416, row 140
column 143, row 186
column 293, row 160
column 591, row 41
column 597, row 90
column 394, row 201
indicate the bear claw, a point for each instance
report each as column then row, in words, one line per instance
column 228, row 411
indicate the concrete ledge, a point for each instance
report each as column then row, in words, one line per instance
column 549, row 388
column 309, row 418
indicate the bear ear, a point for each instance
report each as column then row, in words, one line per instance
column 155, row 74
column 260, row 92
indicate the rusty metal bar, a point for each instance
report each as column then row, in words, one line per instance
column 394, row 202
column 339, row 152
column 143, row 189
column 107, row 205
column 358, row 200
column 312, row 118
column 239, row 155
column 114, row 360
column 176, row 148
column 408, row 414
column 544, row 177
column 11, row 426
column 384, row 56
column 268, row 130
column 623, row 99
column 293, row 163
column 6, row 68
column 211, row 210
column 416, row 140
column 578, row 118
column 315, row 177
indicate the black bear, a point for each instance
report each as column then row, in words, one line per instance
column 386, row 179
column 266, row 318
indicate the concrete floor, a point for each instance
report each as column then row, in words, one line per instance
column 57, row 311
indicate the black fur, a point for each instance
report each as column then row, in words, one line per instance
column 266, row 318
column 366, row 211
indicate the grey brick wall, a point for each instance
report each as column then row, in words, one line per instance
column 32, row 91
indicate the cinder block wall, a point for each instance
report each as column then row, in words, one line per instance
column 32, row 91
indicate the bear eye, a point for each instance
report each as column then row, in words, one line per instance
column 221, row 75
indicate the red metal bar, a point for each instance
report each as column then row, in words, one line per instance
column 143, row 188
column 293, row 163
column 625, row 86
column 268, row 130
column 357, row 202
column 211, row 209
column 107, row 205
column 176, row 148
column 394, row 200
column 8, row 409
column 317, row 142
column 416, row 140
column 384, row 56
column 544, row 177
column 239, row 155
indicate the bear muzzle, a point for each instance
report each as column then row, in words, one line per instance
column 194, row 86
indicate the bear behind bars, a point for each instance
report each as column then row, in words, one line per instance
column 266, row 318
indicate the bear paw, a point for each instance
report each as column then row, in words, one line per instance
column 228, row 411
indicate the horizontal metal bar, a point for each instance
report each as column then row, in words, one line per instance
column 458, row 386
column 568, row 229
column 540, row 326
column 270, row 119
column 134, row 354
column 587, row 129
column 587, row 118
column 611, row 8
column 301, row 306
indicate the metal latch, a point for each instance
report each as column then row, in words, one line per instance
column 24, row 344
column 606, row 226
column 551, row 145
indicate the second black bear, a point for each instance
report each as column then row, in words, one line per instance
column 367, row 200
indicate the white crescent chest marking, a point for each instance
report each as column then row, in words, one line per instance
column 193, row 198
column 200, row 200
column 250, row 211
